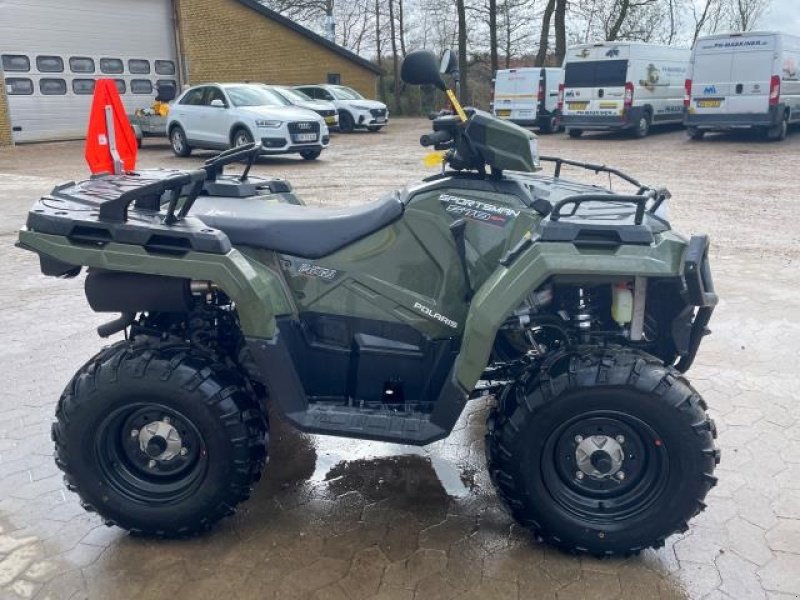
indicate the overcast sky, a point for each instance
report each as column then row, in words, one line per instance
column 783, row 15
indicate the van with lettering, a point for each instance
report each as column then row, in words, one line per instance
column 622, row 86
column 528, row 96
column 743, row 81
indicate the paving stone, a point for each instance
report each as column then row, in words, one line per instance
column 419, row 565
column 337, row 519
column 785, row 536
column 739, row 579
column 781, row 574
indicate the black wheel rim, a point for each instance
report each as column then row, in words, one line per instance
column 611, row 497
column 141, row 477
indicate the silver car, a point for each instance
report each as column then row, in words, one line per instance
column 327, row 110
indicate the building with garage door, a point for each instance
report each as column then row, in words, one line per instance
column 53, row 51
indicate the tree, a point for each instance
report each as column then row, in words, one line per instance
column 395, row 59
column 544, row 34
column 492, row 6
column 462, row 50
column 561, row 30
column 744, row 14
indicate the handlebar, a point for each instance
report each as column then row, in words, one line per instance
column 435, row 138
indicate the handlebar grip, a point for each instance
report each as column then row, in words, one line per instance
column 437, row 137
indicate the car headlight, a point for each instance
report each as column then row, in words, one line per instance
column 265, row 123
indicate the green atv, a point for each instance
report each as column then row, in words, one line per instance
column 576, row 308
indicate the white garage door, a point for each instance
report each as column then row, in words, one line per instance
column 53, row 51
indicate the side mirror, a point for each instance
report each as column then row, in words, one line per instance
column 165, row 92
column 421, row 68
column 449, row 62
column 217, row 103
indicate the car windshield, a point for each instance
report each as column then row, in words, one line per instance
column 345, row 93
column 292, row 95
column 253, row 95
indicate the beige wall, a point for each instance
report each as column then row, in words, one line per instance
column 5, row 115
column 224, row 40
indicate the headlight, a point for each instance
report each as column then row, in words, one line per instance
column 272, row 124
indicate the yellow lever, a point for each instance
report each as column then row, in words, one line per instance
column 457, row 105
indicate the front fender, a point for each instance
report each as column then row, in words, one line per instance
column 507, row 287
column 256, row 290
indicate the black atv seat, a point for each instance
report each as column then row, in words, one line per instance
column 296, row 230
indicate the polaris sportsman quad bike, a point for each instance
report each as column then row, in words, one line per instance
column 577, row 308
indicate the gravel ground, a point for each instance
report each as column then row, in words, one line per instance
column 340, row 519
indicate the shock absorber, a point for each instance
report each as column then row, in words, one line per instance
column 583, row 313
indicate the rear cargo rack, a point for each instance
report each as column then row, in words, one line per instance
column 149, row 195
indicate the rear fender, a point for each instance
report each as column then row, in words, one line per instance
column 257, row 290
column 508, row 286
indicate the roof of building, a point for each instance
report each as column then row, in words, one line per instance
column 314, row 37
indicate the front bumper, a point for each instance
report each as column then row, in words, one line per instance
column 281, row 145
column 691, row 326
column 735, row 120
column 371, row 118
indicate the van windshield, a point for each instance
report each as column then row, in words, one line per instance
column 596, row 73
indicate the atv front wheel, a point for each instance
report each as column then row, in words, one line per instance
column 160, row 440
column 604, row 453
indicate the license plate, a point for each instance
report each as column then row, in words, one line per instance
column 505, row 112
column 380, row 119
column 577, row 105
column 716, row 103
column 305, row 137
column 330, row 120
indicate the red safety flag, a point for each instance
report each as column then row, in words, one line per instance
column 99, row 139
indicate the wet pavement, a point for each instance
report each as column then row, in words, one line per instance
column 339, row 519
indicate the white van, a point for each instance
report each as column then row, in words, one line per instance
column 744, row 80
column 622, row 85
column 528, row 96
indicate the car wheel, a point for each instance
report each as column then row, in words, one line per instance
column 549, row 124
column 695, row 133
column 642, row 127
column 346, row 123
column 242, row 137
column 778, row 132
column 574, row 133
column 310, row 154
column 177, row 138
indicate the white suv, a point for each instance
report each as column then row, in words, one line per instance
column 221, row 116
column 355, row 111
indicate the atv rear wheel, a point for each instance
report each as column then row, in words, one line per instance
column 159, row 439
column 604, row 453
column 574, row 133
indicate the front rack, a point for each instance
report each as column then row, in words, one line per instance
column 644, row 193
